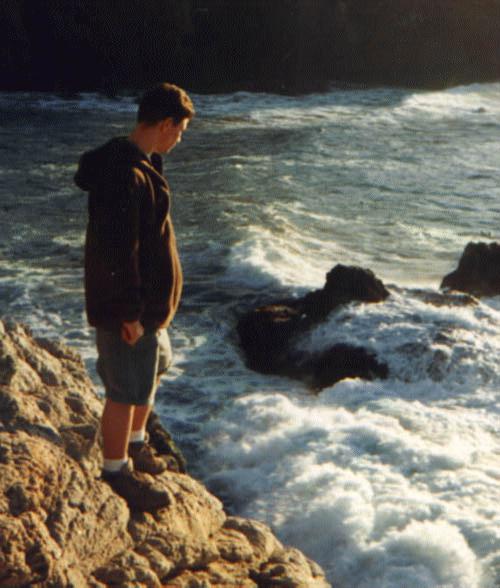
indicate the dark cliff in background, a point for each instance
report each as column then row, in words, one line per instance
column 217, row 45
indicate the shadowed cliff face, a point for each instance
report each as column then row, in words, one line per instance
column 414, row 42
column 60, row 525
column 219, row 45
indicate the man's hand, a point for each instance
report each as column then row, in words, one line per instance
column 132, row 331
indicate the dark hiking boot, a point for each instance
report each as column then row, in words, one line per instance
column 145, row 459
column 139, row 493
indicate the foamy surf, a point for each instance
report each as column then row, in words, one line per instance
column 390, row 483
column 396, row 493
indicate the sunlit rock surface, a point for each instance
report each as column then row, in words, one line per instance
column 61, row 526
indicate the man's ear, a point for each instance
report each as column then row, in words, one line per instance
column 166, row 124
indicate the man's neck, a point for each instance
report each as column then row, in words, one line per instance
column 143, row 139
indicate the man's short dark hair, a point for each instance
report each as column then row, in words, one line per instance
column 165, row 101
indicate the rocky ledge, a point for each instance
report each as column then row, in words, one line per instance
column 61, row 526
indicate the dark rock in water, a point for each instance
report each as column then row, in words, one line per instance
column 442, row 298
column 478, row 271
column 267, row 333
column 343, row 361
column 344, row 284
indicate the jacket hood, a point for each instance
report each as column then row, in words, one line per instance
column 101, row 166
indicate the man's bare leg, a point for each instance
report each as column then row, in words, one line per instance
column 139, row 420
column 116, row 424
column 139, row 493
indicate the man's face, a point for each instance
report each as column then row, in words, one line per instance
column 169, row 134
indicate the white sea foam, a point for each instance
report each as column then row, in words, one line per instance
column 391, row 483
column 456, row 102
column 393, row 500
column 264, row 257
column 419, row 340
column 295, row 248
column 296, row 253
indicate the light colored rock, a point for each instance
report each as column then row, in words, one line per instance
column 61, row 526
column 258, row 535
column 291, row 569
column 233, row 546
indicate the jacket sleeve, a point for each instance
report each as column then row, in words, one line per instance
column 121, row 249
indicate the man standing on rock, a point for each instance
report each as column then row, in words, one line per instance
column 133, row 284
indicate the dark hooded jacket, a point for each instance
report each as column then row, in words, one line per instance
column 132, row 267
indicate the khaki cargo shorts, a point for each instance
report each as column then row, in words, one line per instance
column 130, row 372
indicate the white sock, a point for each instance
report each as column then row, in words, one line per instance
column 138, row 436
column 114, row 465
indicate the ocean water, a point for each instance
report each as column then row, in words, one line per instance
column 387, row 484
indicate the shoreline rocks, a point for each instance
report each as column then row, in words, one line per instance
column 267, row 333
column 61, row 526
column 478, row 271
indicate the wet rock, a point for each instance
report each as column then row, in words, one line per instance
column 343, row 284
column 60, row 525
column 444, row 298
column 342, row 361
column 267, row 333
column 478, row 271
